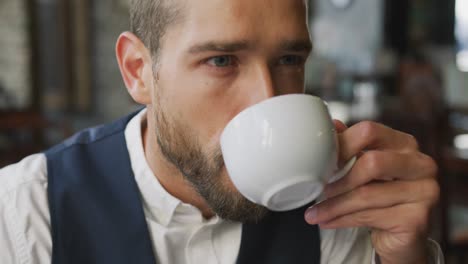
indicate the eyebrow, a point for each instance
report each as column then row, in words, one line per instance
column 291, row 46
column 220, row 46
column 297, row 46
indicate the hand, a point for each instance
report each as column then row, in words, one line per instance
column 391, row 189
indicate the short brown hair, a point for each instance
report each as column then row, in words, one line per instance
column 149, row 20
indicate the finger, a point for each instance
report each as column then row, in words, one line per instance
column 373, row 196
column 383, row 166
column 373, row 136
column 340, row 126
column 398, row 219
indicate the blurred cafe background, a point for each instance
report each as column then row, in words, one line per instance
column 400, row 62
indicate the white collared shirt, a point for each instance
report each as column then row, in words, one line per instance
column 179, row 233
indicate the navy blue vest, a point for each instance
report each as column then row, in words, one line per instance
column 97, row 215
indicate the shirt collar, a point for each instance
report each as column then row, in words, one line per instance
column 157, row 202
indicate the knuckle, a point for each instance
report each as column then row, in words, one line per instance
column 372, row 163
column 365, row 218
column 420, row 220
column 431, row 166
column 412, row 142
column 364, row 193
column 368, row 130
column 432, row 191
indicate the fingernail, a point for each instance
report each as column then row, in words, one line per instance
column 311, row 215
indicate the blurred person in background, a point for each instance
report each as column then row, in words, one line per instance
column 152, row 187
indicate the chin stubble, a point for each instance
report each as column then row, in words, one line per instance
column 203, row 171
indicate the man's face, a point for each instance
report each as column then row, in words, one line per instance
column 223, row 56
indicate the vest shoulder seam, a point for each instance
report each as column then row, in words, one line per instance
column 62, row 148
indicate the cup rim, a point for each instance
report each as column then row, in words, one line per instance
column 271, row 100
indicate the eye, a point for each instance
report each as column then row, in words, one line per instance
column 221, row 61
column 291, row 60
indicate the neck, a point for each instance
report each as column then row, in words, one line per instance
column 169, row 176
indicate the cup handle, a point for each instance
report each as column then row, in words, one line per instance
column 343, row 171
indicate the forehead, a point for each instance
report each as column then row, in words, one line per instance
column 247, row 19
column 245, row 8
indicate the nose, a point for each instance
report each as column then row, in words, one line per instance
column 261, row 85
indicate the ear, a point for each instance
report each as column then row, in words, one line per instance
column 135, row 65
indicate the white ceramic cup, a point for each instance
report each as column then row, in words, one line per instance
column 281, row 152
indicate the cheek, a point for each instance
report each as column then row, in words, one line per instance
column 201, row 101
column 208, row 105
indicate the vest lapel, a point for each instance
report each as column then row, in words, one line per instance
column 96, row 210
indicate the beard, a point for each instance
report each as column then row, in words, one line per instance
column 203, row 170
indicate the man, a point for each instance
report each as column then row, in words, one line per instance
column 152, row 187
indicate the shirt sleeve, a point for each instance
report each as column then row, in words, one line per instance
column 24, row 215
column 349, row 245
column 354, row 246
column 433, row 249
column 9, row 242
column 436, row 254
